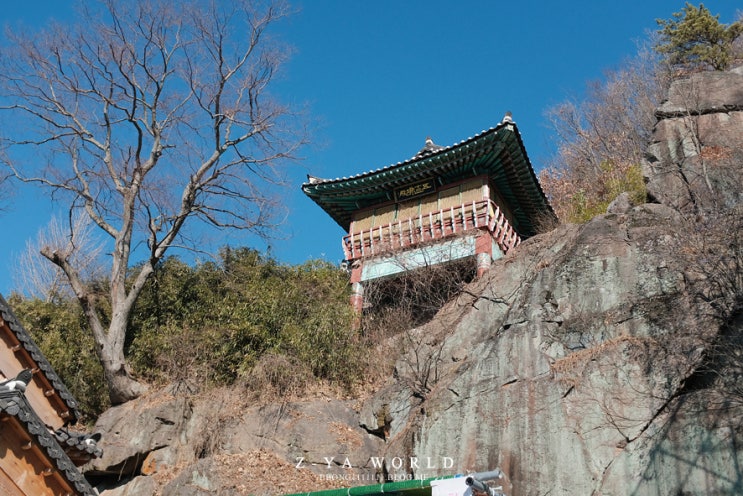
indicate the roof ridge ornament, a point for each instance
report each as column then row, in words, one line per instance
column 313, row 179
column 429, row 148
column 508, row 118
column 18, row 383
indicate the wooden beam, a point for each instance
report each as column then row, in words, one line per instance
column 26, row 464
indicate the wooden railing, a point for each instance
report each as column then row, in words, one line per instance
column 453, row 221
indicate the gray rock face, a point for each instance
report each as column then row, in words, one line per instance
column 694, row 161
column 620, row 205
column 136, row 430
column 705, row 92
column 323, row 435
column 579, row 353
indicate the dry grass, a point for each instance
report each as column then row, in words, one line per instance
column 257, row 473
column 345, row 435
column 278, row 376
column 261, row 473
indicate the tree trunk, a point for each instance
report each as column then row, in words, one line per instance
column 122, row 387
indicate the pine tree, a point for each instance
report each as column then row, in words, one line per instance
column 694, row 38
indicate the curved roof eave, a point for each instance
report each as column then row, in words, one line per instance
column 14, row 404
column 33, row 350
column 341, row 196
column 318, row 184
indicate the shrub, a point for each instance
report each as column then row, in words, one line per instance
column 219, row 320
column 412, row 298
column 578, row 199
column 602, row 138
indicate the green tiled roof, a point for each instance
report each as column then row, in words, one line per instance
column 498, row 152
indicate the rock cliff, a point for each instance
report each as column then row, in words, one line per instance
column 574, row 369
column 595, row 359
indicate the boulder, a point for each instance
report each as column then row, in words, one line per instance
column 321, row 435
column 148, row 432
column 693, row 161
column 182, row 445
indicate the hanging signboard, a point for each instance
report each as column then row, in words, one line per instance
column 413, row 190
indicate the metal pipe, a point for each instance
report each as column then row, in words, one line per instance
column 475, row 481
column 486, row 476
column 477, row 485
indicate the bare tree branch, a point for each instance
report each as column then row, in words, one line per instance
column 149, row 116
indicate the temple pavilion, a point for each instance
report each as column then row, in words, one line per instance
column 476, row 199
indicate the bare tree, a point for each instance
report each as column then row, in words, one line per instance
column 603, row 136
column 80, row 246
column 149, row 116
column 399, row 307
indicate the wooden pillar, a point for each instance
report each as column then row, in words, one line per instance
column 357, row 297
column 483, row 252
column 357, row 289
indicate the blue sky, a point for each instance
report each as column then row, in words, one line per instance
column 380, row 76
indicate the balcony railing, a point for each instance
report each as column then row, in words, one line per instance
column 454, row 221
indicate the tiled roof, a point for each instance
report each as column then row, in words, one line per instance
column 28, row 344
column 424, row 152
column 498, row 152
column 14, row 403
column 81, row 448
